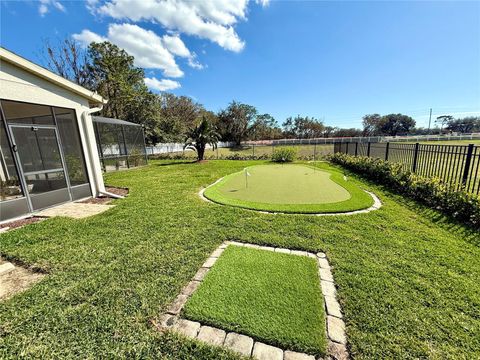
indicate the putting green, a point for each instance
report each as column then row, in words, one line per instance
column 290, row 188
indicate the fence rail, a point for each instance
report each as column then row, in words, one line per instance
column 166, row 148
column 457, row 165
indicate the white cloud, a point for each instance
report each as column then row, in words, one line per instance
column 193, row 62
column 175, row 45
column 86, row 37
column 264, row 3
column 144, row 45
column 212, row 19
column 161, row 85
column 91, row 5
column 45, row 4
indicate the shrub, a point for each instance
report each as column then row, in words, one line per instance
column 284, row 154
column 431, row 191
column 234, row 156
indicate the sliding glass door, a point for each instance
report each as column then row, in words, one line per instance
column 41, row 159
column 42, row 164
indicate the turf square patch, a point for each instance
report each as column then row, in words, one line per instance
column 273, row 297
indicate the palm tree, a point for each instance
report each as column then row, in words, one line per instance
column 199, row 137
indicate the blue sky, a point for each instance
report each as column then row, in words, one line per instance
column 332, row 60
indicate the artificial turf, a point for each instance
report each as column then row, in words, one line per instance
column 407, row 277
column 272, row 297
column 291, row 188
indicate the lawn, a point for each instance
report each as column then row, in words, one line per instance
column 290, row 188
column 273, row 297
column 408, row 280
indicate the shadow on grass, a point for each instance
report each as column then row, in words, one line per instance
column 176, row 162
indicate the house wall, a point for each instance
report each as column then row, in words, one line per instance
column 19, row 85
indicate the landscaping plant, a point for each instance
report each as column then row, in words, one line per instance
column 200, row 136
column 284, row 154
column 430, row 191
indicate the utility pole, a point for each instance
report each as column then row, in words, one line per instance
column 429, row 120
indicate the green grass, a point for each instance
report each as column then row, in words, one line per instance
column 290, row 188
column 273, row 297
column 408, row 280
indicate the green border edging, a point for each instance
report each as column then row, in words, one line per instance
column 359, row 199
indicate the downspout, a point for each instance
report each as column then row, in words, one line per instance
column 93, row 153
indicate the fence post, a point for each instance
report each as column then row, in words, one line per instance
column 315, row 150
column 125, row 147
column 415, row 157
column 468, row 161
column 356, row 148
column 253, row 149
column 346, row 148
column 387, row 148
column 368, row 149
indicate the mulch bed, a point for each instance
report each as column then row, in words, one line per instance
column 103, row 200
column 20, row 223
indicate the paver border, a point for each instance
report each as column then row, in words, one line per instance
column 377, row 204
column 246, row 345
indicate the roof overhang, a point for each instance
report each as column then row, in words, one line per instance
column 104, row 120
column 10, row 57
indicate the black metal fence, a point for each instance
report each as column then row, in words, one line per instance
column 457, row 165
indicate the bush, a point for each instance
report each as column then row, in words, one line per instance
column 234, row 156
column 284, row 154
column 431, row 191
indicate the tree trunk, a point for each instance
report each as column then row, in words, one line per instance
column 200, row 152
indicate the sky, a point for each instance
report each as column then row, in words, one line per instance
column 333, row 60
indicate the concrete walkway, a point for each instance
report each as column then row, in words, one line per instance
column 74, row 210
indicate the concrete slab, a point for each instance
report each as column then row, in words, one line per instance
column 7, row 267
column 74, row 210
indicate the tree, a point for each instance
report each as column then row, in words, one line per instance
column 234, row 122
column 443, row 120
column 351, row 132
column 396, row 124
column 465, row 125
column 265, row 127
column 117, row 79
column 371, row 124
column 71, row 61
column 174, row 116
column 329, row 131
column 200, row 136
column 303, row 127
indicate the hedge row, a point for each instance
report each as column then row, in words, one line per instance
column 234, row 156
column 430, row 191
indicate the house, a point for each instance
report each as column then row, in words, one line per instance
column 48, row 150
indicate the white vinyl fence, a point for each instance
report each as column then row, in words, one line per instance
column 178, row 147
